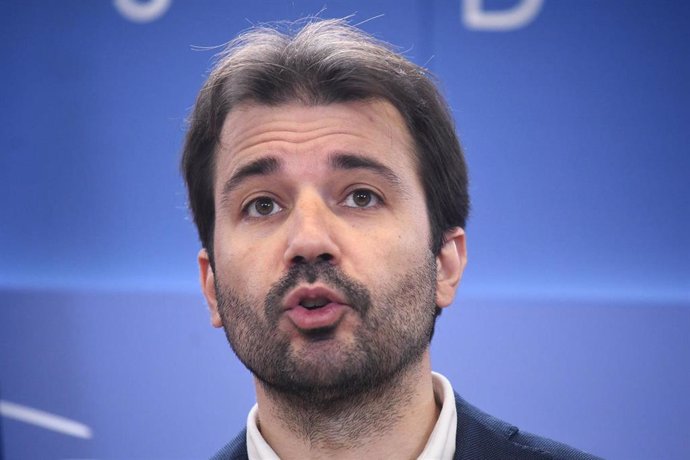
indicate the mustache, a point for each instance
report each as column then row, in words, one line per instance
column 356, row 294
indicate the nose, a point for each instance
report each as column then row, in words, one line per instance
column 310, row 232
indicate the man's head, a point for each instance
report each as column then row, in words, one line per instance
column 326, row 62
column 330, row 193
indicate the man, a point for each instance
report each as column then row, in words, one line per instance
column 330, row 194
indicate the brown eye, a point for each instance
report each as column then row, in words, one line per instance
column 262, row 207
column 362, row 198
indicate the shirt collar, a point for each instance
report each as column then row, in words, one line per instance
column 441, row 443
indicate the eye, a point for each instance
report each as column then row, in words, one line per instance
column 362, row 198
column 262, row 207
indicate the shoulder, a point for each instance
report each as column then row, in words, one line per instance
column 235, row 449
column 482, row 436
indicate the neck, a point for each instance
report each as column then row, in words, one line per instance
column 393, row 420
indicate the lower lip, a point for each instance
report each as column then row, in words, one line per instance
column 316, row 318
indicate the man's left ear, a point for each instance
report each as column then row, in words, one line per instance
column 450, row 263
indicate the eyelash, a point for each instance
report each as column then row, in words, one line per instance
column 375, row 197
column 250, row 210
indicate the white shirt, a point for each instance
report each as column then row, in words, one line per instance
column 440, row 446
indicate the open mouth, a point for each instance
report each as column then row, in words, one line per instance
column 312, row 304
column 316, row 310
column 312, row 297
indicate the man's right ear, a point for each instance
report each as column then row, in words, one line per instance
column 208, row 287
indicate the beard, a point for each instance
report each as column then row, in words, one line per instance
column 392, row 333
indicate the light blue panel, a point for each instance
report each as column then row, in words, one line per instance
column 609, row 378
column 144, row 371
column 152, row 379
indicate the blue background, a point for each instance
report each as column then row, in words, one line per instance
column 574, row 313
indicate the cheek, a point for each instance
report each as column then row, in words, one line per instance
column 245, row 266
column 413, row 233
column 396, row 252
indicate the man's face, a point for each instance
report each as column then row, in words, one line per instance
column 324, row 280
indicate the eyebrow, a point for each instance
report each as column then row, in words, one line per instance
column 349, row 161
column 339, row 161
column 259, row 167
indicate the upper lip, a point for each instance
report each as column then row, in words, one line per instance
column 301, row 293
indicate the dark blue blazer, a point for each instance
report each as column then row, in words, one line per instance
column 480, row 437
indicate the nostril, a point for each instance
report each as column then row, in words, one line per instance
column 325, row 257
column 298, row 260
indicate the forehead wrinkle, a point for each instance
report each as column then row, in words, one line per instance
column 247, row 126
column 289, row 137
column 244, row 130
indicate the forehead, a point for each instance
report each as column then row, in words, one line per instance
column 372, row 128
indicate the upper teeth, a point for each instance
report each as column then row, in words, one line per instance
column 311, row 303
